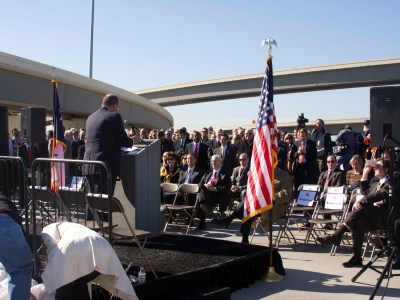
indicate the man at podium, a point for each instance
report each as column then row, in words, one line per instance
column 105, row 135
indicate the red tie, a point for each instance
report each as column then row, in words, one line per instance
column 195, row 150
column 214, row 178
column 327, row 180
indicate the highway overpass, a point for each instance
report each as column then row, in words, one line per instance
column 326, row 77
column 25, row 83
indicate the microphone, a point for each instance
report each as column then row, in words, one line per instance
column 128, row 125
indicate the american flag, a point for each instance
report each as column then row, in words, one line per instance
column 260, row 184
column 58, row 143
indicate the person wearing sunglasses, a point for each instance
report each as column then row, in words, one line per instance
column 331, row 177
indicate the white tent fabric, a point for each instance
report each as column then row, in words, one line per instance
column 74, row 251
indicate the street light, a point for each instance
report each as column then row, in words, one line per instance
column 91, row 43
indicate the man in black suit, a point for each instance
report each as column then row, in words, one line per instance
column 227, row 153
column 213, row 189
column 245, row 145
column 239, row 177
column 183, row 140
column 307, row 153
column 369, row 212
column 192, row 174
column 200, row 151
column 105, row 135
column 331, row 177
column 165, row 144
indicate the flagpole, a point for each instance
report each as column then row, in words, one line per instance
column 271, row 275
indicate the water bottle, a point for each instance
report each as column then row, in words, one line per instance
column 142, row 275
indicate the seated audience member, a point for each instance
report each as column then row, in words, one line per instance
column 353, row 176
column 15, row 254
column 213, row 189
column 164, row 164
column 183, row 162
column 239, row 177
column 369, row 212
column 200, row 151
column 283, row 193
column 172, row 171
column 227, row 153
column 331, row 177
column 193, row 173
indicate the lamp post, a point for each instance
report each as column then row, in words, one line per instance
column 91, row 43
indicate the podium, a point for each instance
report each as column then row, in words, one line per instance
column 139, row 187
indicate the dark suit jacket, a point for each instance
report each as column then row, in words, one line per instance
column 105, row 135
column 374, row 193
column 244, row 147
column 195, row 177
column 223, row 183
column 178, row 144
column 240, row 180
column 75, row 144
column 166, row 146
column 203, row 161
column 337, row 178
column 229, row 158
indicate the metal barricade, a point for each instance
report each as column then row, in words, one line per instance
column 67, row 201
column 13, row 184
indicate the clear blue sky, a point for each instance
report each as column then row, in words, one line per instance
column 143, row 44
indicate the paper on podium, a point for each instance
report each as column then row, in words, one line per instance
column 126, row 149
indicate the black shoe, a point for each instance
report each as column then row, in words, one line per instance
column 220, row 222
column 355, row 261
column 245, row 240
column 329, row 240
column 202, row 226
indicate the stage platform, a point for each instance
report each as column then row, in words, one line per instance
column 189, row 266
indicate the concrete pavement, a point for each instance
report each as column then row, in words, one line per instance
column 310, row 274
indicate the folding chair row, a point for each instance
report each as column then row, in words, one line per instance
column 299, row 211
column 333, row 203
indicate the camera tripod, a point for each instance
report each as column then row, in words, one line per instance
column 387, row 270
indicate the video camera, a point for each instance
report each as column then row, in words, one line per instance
column 301, row 121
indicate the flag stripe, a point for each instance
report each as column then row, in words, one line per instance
column 260, row 186
column 58, row 143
